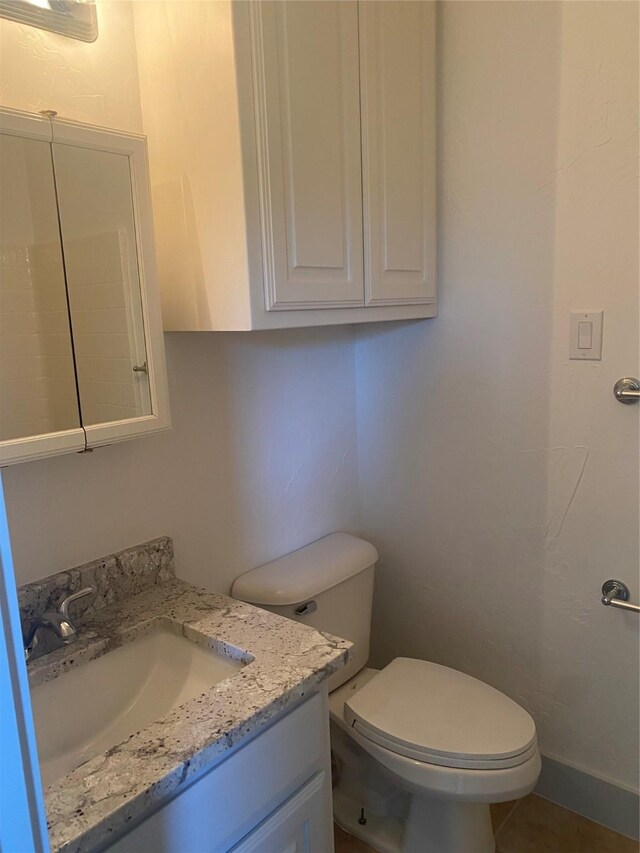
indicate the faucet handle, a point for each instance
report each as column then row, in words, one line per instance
column 63, row 609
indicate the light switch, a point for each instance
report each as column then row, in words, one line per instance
column 585, row 335
column 585, row 341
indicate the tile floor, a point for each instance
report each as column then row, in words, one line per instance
column 532, row 825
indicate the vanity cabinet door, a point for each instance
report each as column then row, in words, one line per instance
column 39, row 413
column 296, row 827
column 306, row 92
column 397, row 73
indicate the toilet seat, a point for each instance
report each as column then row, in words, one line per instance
column 437, row 715
column 500, row 784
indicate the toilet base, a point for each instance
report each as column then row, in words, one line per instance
column 431, row 826
column 382, row 833
column 436, row 826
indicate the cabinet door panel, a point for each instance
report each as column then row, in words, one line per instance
column 107, row 236
column 97, row 225
column 307, row 114
column 39, row 413
column 296, row 827
column 397, row 67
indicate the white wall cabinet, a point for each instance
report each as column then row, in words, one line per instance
column 398, row 156
column 82, row 353
column 292, row 154
column 270, row 795
column 308, row 135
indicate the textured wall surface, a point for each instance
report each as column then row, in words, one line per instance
column 498, row 478
column 92, row 82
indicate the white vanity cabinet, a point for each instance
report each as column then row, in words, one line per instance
column 270, row 794
column 292, row 156
column 81, row 344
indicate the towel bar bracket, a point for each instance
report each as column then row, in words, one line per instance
column 616, row 594
column 627, row 390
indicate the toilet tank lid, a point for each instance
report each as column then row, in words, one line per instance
column 301, row 575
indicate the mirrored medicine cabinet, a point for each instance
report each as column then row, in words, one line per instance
column 81, row 347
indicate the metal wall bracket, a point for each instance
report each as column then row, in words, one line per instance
column 616, row 594
column 627, row 390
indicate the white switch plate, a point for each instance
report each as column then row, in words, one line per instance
column 585, row 335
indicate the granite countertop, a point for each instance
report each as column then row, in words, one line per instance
column 284, row 660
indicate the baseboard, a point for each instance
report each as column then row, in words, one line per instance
column 591, row 796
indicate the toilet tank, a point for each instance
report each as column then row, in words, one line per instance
column 327, row 585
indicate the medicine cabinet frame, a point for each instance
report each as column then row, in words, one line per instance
column 51, row 129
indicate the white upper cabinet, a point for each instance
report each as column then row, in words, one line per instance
column 309, row 152
column 397, row 62
column 292, row 156
column 81, row 345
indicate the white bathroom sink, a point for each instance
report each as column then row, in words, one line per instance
column 86, row 711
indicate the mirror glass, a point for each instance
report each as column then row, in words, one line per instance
column 98, row 233
column 37, row 382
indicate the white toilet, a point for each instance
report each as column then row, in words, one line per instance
column 420, row 749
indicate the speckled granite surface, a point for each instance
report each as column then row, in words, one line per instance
column 115, row 577
column 90, row 805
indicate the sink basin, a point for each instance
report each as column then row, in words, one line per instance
column 84, row 712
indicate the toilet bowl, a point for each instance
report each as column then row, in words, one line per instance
column 447, row 792
column 420, row 749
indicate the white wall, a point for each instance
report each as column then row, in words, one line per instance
column 262, row 456
column 260, row 461
column 499, row 479
column 92, row 82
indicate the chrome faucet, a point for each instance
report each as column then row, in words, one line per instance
column 58, row 622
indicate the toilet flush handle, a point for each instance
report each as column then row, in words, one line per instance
column 306, row 608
